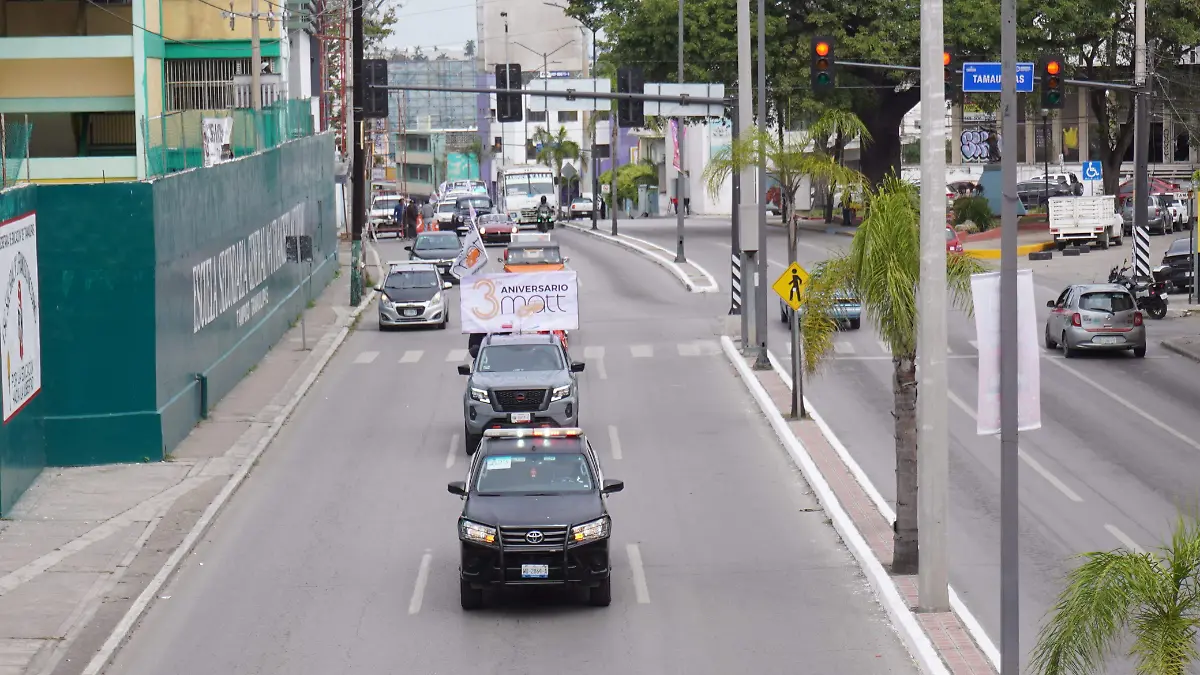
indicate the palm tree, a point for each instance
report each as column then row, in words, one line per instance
column 556, row 149
column 1155, row 597
column 882, row 269
column 842, row 127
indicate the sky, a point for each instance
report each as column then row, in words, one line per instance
column 427, row 23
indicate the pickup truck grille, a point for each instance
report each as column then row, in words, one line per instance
column 520, row 400
column 514, row 538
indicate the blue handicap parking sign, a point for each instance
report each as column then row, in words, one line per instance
column 1092, row 171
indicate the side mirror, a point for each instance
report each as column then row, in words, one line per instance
column 447, row 286
column 577, row 367
column 459, row 488
column 464, row 369
column 610, row 486
column 408, row 248
column 1050, row 304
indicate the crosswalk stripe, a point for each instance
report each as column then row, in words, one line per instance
column 457, row 355
column 708, row 347
column 366, row 357
column 412, row 356
column 688, row 349
column 843, row 347
column 593, row 352
column 641, row 351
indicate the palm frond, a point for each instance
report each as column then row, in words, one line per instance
column 885, row 255
column 817, row 325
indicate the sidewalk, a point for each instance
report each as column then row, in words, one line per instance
column 1027, row 242
column 940, row 642
column 1187, row 347
column 83, row 545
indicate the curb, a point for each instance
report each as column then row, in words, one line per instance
column 839, row 230
column 143, row 602
column 625, row 241
column 1185, row 353
column 920, row 647
column 994, row 253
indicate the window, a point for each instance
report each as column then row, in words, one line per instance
column 202, row 84
column 419, row 173
column 601, row 151
column 520, row 358
column 410, row 279
column 436, row 240
column 1108, row 301
column 602, row 115
column 532, row 116
column 534, row 472
column 548, row 255
column 568, row 116
column 417, row 143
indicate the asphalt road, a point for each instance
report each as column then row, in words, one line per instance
column 1114, row 457
column 339, row 555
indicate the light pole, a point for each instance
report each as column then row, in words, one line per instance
column 593, row 161
column 680, row 179
column 507, row 85
column 761, row 361
column 545, row 74
column 1046, row 159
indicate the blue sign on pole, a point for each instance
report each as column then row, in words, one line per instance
column 1093, row 171
column 984, row 78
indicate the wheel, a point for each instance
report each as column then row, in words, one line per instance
column 1157, row 309
column 471, row 441
column 445, row 322
column 783, row 317
column 1140, row 352
column 855, row 323
column 1060, row 245
column 601, row 596
column 1067, row 351
column 1050, row 343
column 469, row 598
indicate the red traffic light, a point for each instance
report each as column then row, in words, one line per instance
column 945, row 58
column 822, row 48
column 1052, row 67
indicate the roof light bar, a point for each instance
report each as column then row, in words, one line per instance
column 563, row 432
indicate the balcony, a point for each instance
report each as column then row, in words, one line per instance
column 66, row 30
column 73, row 147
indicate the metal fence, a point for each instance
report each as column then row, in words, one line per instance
column 175, row 141
column 14, row 148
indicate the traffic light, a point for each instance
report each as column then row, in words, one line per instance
column 375, row 98
column 631, row 114
column 949, row 64
column 822, row 64
column 1050, row 71
column 508, row 106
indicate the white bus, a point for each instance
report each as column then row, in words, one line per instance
column 522, row 187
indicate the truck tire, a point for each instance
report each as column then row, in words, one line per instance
column 1061, row 244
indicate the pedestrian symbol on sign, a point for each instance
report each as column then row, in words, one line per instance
column 790, row 286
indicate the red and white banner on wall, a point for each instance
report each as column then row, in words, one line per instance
column 21, row 322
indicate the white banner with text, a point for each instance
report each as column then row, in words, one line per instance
column 516, row 303
column 985, row 291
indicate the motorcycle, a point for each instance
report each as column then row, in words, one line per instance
column 545, row 221
column 1150, row 294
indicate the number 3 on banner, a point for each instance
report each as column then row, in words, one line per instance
column 490, row 296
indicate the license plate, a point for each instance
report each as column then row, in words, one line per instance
column 520, row 418
column 410, row 312
column 535, row 571
column 1108, row 340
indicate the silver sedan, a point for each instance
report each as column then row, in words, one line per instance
column 1095, row 317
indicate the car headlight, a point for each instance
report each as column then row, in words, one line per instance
column 560, row 393
column 480, row 395
column 593, row 531
column 436, row 299
column 385, row 301
column 476, row 533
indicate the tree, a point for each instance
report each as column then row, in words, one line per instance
column 789, row 162
column 839, row 127
column 556, row 149
column 378, row 25
column 882, row 269
column 629, row 177
column 1153, row 597
column 469, row 49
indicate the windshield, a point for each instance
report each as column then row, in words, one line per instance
column 1168, row 200
column 412, row 279
column 445, row 208
column 529, row 184
column 477, row 202
column 441, row 240
column 519, row 358
column 1106, row 301
column 950, row 236
column 535, row 256
column 1178, row 246
column 526, row 473
column 389, row 204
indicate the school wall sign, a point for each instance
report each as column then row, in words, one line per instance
column 20, row 324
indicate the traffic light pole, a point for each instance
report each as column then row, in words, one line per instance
column 615, row 125
column 681, row 183
column 358, row 177
column 761, row 360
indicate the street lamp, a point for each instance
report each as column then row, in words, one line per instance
column 507, row 85
column 595, row 161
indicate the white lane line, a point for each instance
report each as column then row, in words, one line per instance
column 457, row 355
column 366, row 357
column 1128, row 405
column 1124, row 538
column 412, row 356
column 639, row 574
column 600, row 369
column 452, row 456
column 418, row 595
column 688, row 349
column 614, row 442
column 641, row 351
column 1033, row 463
column 843, row 347
column 888, row 358
column 593, row 352
column 708, row 347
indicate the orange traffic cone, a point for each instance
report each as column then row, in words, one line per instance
column 420, row 223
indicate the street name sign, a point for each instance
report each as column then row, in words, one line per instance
column 984, row 78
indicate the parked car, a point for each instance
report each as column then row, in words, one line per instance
column 580, row 206
column 953, row 242
column 1095, row 317
column 1178, row 260
column 1175, row 209
column 383, row 208
column 1038, row 192
column 1157, row 219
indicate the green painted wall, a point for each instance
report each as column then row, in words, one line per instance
column 123, row 342
column 23, row 438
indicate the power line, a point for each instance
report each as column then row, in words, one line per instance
column 164, row 37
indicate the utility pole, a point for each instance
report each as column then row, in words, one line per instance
column 735, row 243
column 256, row 73
column 614, row 123
column 1141, row 142
column 748, row 190
column 681, row 182
column 358, row 209
column 595, row 159
column 1046, row 157
column 761, row 362
column 933, row 471
column 1010, row 575
column 507, row 85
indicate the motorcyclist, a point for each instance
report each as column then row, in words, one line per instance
column 544, row 214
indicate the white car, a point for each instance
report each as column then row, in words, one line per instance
column 580, row 206
column 444, row 212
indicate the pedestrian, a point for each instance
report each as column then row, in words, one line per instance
column 687, row 194
column 398, row 213
column 410, row 219
column 427, row 212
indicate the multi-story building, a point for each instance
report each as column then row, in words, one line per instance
column 111, row 86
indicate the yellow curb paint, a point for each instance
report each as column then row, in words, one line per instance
column 994, row 253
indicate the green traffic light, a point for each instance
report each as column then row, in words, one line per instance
column 822, row 78
column 1053, row 97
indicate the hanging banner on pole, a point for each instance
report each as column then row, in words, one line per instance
column 675, row 144
column 985, row 292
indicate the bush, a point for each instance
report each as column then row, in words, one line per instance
column 974, row 209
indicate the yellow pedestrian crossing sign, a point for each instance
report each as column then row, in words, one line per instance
column 791, row 285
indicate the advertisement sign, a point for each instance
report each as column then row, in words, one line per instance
column 217, row 133
column 21, row 324
column 985, row 291
column 675, row 144
column 523, row 302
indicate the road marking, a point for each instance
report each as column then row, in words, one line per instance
column 1124, row 539
column 453, row 454
column 457, row 355
column 888, row 358
column 600, row 369
column 593, row 352
column 1141, row 413
column 412, row 356
column 974, row 344
column 639, row 574
column 843, row 347
column 1033, row 463
column 418, row 595
column 614, row 442
column 366, row 357
column 641, row 351
column 708, row 347
column 688, row 349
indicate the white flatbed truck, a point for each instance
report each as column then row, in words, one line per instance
column 1081, row 220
